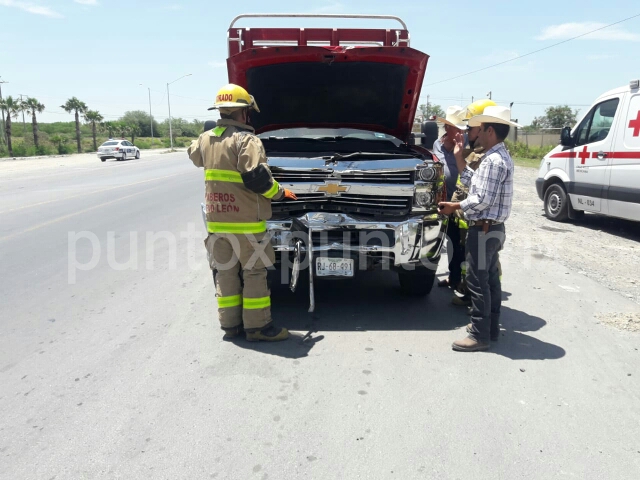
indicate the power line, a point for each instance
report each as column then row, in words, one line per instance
column 531, row 53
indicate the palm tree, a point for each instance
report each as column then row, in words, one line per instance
column 12, row 107
column 111, row 128
column 93, row 117
column 134, row 129
column 33, row 106
column 59, row 141
column 78, row 107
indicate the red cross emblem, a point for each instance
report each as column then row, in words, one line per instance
column 583, row 155
column 635, row 124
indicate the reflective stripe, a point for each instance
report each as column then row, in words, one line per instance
column 256, row 303
column 462, row 224
column 218, row 131
column 222, row 176
column 221, row 227
column 272, row 191
column 230, row 301
column 459, row 182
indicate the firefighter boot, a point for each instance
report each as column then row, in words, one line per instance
column 269, row 333
column 231, row 333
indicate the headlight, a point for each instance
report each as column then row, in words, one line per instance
column 426, row 174
column 423, row 198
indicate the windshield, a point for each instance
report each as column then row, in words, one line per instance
column 109, row 143
column 330, row 134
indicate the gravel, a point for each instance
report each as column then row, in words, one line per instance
column 602, row 248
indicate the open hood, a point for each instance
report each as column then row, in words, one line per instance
column 368, row 88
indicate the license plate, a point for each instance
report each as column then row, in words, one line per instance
column 334, row 267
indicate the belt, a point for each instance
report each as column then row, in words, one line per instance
column 481, row 223
column 485, row 224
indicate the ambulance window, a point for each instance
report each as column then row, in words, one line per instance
column 596, row 126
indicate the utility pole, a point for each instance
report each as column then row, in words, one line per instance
column 428, row 106
column 471, row 98
column 169, row 104
column 150, row 117
column 2, row 135
column 489, row 95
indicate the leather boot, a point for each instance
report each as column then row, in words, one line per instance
column 270, row 333
column 469, row 345
column 494, row 335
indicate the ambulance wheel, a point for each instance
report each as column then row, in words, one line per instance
column 556, row 203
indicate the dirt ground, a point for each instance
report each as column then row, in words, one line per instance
column 602, row 248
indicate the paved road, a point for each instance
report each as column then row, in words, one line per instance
column 119, row 371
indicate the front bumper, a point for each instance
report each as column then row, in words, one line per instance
column 539, row 185
column 416, row 239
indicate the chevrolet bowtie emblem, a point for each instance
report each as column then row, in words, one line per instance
column 332, row 189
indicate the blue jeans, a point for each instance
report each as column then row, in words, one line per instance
column 483, row 280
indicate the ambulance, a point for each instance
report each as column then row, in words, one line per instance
column 596, row 167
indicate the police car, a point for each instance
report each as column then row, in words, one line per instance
column 118, row 149
column 596, row 167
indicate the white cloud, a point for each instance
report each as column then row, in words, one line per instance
column 93, row 3
column 570, row 30
column 218, row 64
column 31, row 8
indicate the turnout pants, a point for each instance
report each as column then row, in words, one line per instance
column 483, row 280
column 240, row 265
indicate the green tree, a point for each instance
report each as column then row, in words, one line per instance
column 33, row 106
column 556, row 117
column 561, row 116
column 94, row 118
column 143, row 120
column 133, row 130
column 123, row 129
column 428, row 109
column 11, row 107
column 74, row 105
column 59, row 141
column 111, row 128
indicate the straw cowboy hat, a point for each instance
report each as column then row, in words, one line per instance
column 454, row 117
column 495, row 114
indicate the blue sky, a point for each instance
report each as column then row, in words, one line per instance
column 101, row 51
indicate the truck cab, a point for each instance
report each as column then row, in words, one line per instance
column 596, row 167
column 337, row 108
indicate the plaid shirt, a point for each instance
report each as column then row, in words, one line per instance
column 490, row 187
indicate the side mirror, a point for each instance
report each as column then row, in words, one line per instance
column 566, row 140
column 209, row 125
column 429, row 134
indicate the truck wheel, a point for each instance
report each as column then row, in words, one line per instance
column 556, row 203
column 102, row 159
column 418, row 282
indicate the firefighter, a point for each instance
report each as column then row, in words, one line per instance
column 473, row 156
column 238, row 193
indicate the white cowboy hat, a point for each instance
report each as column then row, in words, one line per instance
column 495, row 114
column 454, row 117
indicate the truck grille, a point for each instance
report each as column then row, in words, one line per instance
column 346, row 203
column 293, row 176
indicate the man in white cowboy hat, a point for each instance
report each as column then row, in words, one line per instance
column 454, row 124
column 486, row 209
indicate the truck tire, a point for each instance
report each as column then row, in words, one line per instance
column 418, row 282
column 556, row 203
